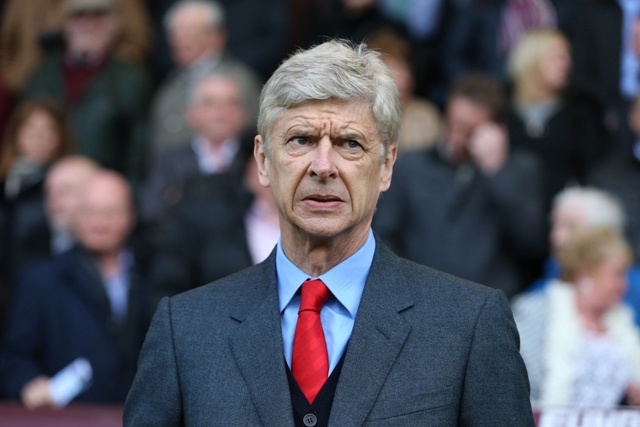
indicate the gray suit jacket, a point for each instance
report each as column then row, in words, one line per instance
column 427, row 349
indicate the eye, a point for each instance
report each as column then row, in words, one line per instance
column 300, row 140
column 351, row 144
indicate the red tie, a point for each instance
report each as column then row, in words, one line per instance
column 310, row 363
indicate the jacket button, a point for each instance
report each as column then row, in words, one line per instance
column 310, row 420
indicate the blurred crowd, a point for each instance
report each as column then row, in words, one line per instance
column 127, row 172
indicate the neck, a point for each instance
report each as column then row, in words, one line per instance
column 590, row 315
column 108, row 262
column 317, row 255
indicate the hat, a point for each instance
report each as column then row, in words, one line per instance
column 77, row 6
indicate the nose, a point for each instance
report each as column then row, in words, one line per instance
column 323, row 165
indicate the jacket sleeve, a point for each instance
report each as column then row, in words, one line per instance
column 155, row 397
column 496, row 387
column 23, row 340
column 516, row 190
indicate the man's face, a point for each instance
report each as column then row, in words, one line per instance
column 217, row 112
column 92, row 33
column 190, row 37
column 105, row 215
column 63, row 194
column 463, row 117
column 325, row 168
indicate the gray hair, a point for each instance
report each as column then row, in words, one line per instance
column 600, row 208
column 211, row 10
column 193, row 93
column 334, row 70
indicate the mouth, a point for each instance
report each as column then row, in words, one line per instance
column 323, row 201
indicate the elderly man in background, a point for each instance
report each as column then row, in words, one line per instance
column 83, row 312
column 471, row 206
column 216, row 114
column 332, row 328
column 197, row 39
column 63, row 189
column 106, row 97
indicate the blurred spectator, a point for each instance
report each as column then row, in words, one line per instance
column 354, row 20
column 31, row 27
column 620, row 175
column 63, row 187
column 89, row 302
column 578, row 341
column 197, row 38
column 606, row 63
column 482, row 34
column 470, row 206
column 224, row 223
column 421, row 124
column 36, row 136
column 216, row 114
column 576, row 208
column 106, row 98
column 545, row 117
column 258, row 33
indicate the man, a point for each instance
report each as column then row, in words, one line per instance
column 193, row 250
column 470, row 206
column 216, row 114
column 606, row 56
column 106, row 97
column 63, row 191
column 197, row 38
column 88, row 303
column 395, row 344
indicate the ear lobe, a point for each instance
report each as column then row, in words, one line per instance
column 262, row 160
column 387, row 167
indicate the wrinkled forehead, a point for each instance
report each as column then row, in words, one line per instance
column 335, row 113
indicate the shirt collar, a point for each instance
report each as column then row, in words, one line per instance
column 210, row 161
column 345, row 281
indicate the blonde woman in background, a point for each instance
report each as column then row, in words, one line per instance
column 578, row 340
column 547, row 117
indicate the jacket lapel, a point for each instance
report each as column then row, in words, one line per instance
column 84, row 278
column 377, row 338
column 258, row 350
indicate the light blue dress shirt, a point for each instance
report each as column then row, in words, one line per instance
column 346, row 283
column 117, row 287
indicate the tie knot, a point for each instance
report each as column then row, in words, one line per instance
column 313, row 296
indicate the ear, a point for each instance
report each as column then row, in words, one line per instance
column 262, row 160
column 387, row 167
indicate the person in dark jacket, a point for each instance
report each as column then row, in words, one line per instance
column 224, row 223
column 37, row 135
column 471, row 206
column 87, row 305
column 106, row 98
column 547, row 117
